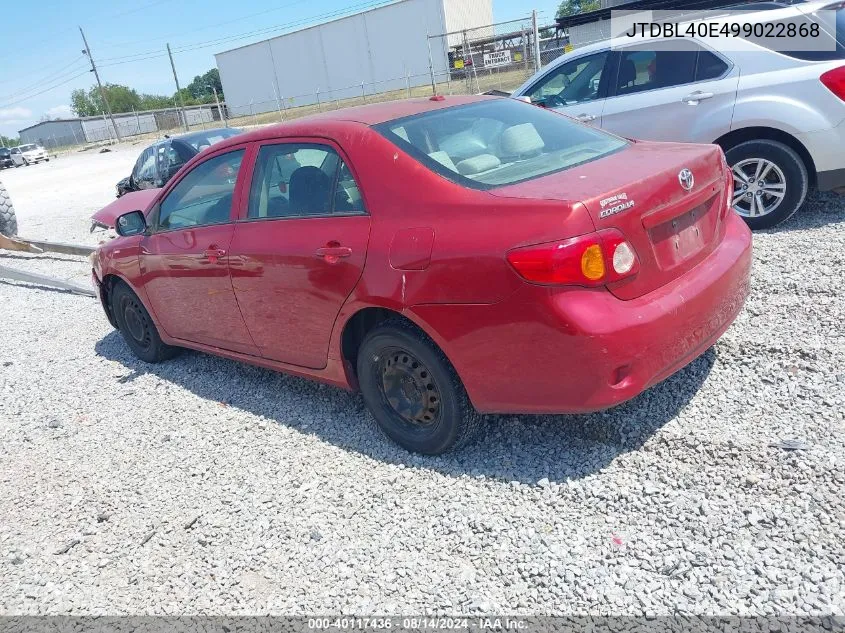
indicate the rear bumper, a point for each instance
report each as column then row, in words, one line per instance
column 579, row 350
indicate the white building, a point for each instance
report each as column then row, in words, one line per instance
column 378, row 50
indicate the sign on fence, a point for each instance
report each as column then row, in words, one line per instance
column 497, row 58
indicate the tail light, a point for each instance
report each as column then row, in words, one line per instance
column 594, row 259
column 834, row 80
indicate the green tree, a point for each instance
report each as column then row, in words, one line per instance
column 81, row 104
column 573, row 7
column 121, row 99
column 6, row 141
column 201, row 87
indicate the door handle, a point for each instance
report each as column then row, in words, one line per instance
column 332, row 252
column 694, row 97
column 212, row 253
column 586, row 118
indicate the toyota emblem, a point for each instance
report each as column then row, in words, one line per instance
column 686, row 179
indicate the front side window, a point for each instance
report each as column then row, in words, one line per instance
column 572, row 82
column 498, row 142
column 300, row 180
column 204, row 195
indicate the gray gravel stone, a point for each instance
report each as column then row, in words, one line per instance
column 214, row 509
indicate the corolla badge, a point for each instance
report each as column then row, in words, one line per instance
column 620, row 202
column 686, row 179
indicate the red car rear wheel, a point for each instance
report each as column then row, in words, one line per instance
column 413, row 391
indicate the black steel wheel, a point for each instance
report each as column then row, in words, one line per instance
column 412, row 389
column 408, row 387
column 136, row 326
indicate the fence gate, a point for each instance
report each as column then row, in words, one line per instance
column 482, row 59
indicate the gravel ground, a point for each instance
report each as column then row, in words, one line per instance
column 206, row 486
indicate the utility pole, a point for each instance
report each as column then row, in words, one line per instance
column 87, row 52
column 538, row 63
column 178, row 89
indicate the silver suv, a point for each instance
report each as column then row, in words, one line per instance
column 779, row 116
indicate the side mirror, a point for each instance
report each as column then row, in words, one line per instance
column 132, row 223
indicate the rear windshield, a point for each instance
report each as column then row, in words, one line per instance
column 4, row 152
column 201, row 140
column 498, row 142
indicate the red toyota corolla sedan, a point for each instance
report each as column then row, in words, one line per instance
column 446, row 256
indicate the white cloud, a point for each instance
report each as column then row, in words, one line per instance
column 60, row 112
column 12, row 116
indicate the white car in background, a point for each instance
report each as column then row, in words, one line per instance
column 29, row 154
column 779, row 116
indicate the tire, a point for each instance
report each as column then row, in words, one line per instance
column 413, row 391
column 8, row 219
column 136, row 327
column 784, row 172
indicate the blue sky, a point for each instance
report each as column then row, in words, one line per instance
column 42, row 46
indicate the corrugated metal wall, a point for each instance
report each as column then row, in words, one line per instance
column 52, row 134
column 384, row 49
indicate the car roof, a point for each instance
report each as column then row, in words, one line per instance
column 371, row 114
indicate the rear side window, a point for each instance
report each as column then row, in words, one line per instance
column 656, row 66
column 497, row 142
column 709, row 66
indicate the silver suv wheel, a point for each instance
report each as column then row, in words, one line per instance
column 759, row 187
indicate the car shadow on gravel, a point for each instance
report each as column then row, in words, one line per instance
column 821, row 209
column 523, row 448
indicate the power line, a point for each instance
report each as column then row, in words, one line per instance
column 143, row 56
column 46, row 78
column 201, row 28
column 28, row 97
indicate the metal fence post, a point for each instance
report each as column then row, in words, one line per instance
column 137, row 120
column 536, row 34
column 408, row 80
column 278, row 103
column 319, row 105
column 363, row 92
column 431, row 65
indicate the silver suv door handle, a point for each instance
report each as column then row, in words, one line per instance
column 694, row 97
column 586, row 118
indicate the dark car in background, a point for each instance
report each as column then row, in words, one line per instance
column 160, row 161
column 6, row 158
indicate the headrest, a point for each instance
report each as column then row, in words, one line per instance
column 521, row 139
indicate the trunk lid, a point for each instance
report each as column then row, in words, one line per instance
column 639, row 192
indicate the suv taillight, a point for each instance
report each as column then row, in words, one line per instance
column 594, row 259
column 834, row 80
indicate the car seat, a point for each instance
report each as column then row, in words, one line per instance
column 309, row 191
column 627, row 73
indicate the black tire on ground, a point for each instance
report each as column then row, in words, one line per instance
column 136, row 326
column 8, row 219
column 790, row 165
column 413, row 391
